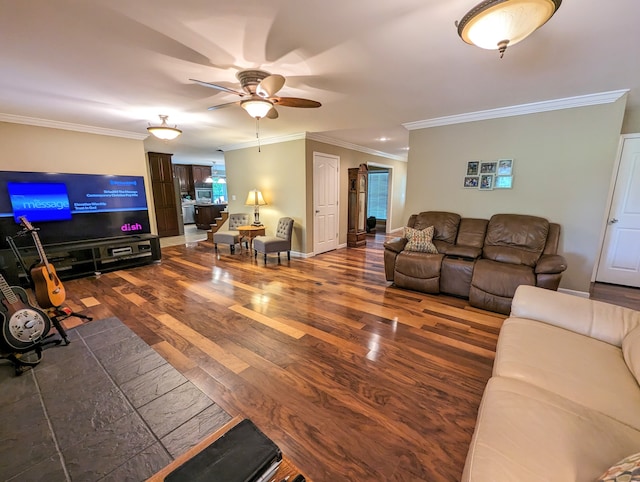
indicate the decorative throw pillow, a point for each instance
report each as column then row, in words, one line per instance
column 420, row 240
column 627, row 470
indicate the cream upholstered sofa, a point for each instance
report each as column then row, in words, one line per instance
column 563, row 403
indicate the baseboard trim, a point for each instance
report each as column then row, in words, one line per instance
column 581, row 294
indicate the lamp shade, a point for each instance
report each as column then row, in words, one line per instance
column 257, row 108
column 254, row 198
column 164, row 131
column 496, row 24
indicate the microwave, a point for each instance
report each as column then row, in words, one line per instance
column 204, row 194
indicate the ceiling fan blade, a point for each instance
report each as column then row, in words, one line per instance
column 272, row 114
column 270, row 85
column 228, row 104
column 295, row 102
column 218, row 87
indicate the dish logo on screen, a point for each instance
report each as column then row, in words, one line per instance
column 131, row 227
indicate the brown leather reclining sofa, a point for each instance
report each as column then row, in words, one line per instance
column 479, row 259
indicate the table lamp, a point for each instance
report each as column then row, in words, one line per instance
column 256, row 200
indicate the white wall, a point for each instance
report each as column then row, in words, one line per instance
column 563, row 162
column 278, row 170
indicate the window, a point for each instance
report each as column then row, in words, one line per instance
column 219, row 190
column 378, row 194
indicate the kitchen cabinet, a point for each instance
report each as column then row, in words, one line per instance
column 206, row 214
column 164, row 196
column 200, row 173
column 191, row 176
column 185, row 177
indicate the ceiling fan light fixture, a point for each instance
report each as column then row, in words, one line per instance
column 164, row 131
column 257, row 108
column 497, row 24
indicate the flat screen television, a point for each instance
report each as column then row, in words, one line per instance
column 68, row 207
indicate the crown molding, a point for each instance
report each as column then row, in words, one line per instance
column 347, row 145
column 262, row 142
column 522, row 109
column 67, row 126
column 314, row 137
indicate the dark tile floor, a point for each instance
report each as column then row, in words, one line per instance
column 106, row 407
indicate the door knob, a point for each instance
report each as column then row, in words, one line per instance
column 317, row 211
column 613, row 221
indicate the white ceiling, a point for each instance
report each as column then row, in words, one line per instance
column 118, row 64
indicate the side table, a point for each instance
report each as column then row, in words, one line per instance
column 250, row 232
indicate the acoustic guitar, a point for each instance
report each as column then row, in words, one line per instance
column 23, row 325
column 49, row 289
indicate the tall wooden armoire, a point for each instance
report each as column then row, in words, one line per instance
column 357, row 222
column 164, row 195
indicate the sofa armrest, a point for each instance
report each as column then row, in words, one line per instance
column 551, row 264
column 396, row 244
column 602, row 321
column 462, row 251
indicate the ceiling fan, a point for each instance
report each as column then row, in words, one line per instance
column 258, row 94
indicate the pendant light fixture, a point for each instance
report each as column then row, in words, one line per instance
column 164, row 131
column 498, row 24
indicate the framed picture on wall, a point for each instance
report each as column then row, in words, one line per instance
column 503, row 182
column 505, row 167
column 486, row 182
column 472, row 168
column 488, row 167
column 471, row 182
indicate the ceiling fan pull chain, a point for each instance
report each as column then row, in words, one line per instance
column 258, row 132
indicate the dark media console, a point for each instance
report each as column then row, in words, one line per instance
column 84, row 258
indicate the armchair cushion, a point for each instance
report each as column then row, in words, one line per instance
column 278, row 243
column 464, row 251
column 551, row 263
column 515, row 238
column 396, row 244
column 420, row 240
column 231, row 236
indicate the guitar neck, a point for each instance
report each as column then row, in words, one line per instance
column 40, row 248
column 8, row 293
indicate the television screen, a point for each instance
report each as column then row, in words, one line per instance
column 39, row 201
column 98, row 206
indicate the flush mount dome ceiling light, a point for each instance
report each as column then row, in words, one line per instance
column 497, row 24
column 164, row 131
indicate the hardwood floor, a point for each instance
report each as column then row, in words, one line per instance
column 352, row 378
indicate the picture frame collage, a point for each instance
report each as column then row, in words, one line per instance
column 489, row 175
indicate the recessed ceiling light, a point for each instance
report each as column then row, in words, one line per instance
column 383, row 139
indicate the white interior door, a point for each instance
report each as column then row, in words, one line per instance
column 620, row 259
column 325, row 202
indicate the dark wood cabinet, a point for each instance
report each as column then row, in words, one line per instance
column 206, row 214
column 357, row 209
column 190, row 177
column 200, row 174
column 164, row 195
column 185, row 178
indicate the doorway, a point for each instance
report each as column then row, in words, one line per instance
column 326, row 176
column 620, row 254
column 377, row 198
column 379, row 195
